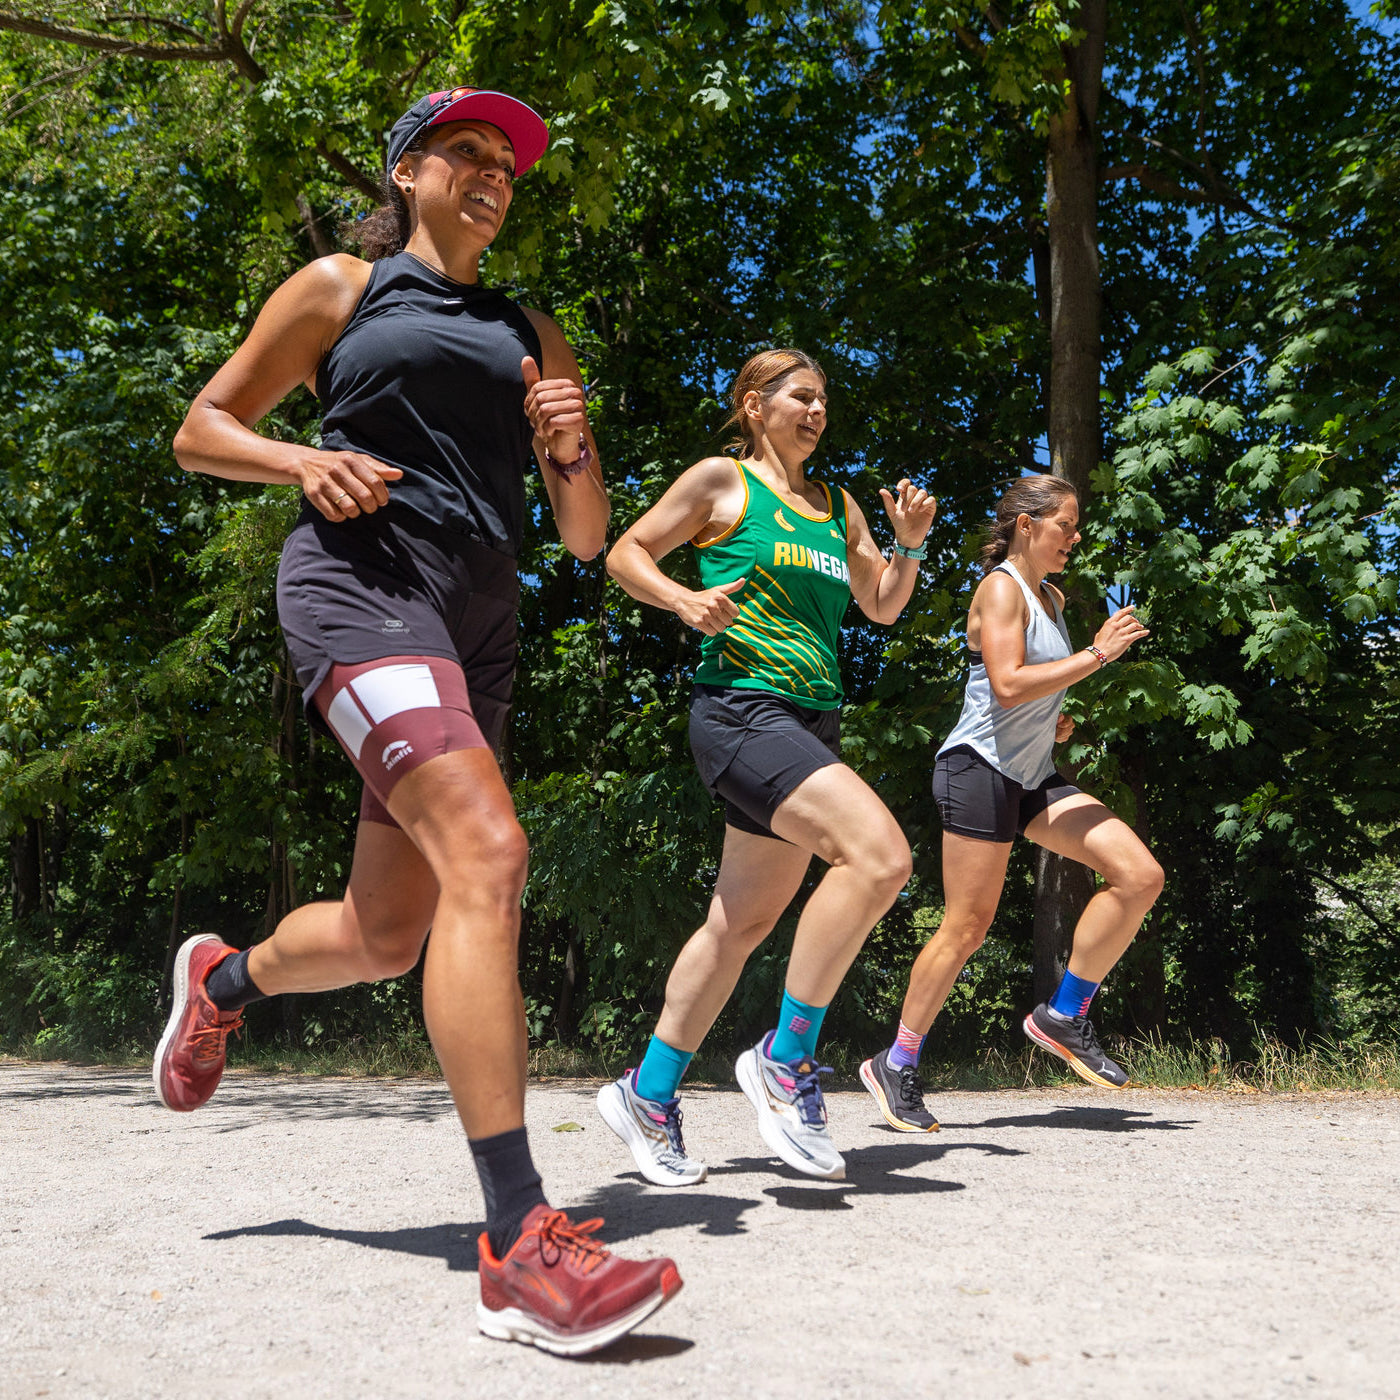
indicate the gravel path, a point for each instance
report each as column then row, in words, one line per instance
column 307, row 1238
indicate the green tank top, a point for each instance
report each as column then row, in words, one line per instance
column 790, row 608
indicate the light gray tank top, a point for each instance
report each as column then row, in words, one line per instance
column 1018, row 741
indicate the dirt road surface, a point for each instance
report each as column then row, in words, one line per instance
column 316, row 1238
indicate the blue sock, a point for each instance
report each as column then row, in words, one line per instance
column 660, row 1073
column 799, row 1025
column 1073, row 995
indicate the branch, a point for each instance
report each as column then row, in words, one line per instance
column 320, row 244
column 229, row 49
column 62, row 75
column 1159, row 184
column 239, row 15
column 231, row 41
column 970, row 41
column 351, row 172
column 1353, row 898
column 86, row 39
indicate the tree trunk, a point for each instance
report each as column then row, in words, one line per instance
column 568, row 985
column 26, row 872
column 1062, row 889
column 1071, row 203
column 1143, row 968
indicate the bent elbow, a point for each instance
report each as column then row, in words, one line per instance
column 587, row 544
column 612, row 561
column 183, row 448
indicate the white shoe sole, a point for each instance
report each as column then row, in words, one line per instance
column 867, row 1077
column 512, row 1325
column 613, row 1110
column 180, row 998
column 770, row 1124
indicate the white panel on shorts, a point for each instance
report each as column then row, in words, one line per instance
column 390, row 690
column 347, row 722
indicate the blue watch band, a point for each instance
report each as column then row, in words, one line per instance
column 920, row 551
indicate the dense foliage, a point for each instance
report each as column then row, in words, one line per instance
column 866, row 181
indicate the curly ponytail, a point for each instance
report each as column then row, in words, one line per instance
column 1036, row 496
column 385, row 230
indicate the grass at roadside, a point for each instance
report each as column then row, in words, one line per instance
column 1270, row 1067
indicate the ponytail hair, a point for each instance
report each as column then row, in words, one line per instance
column 764, row 373
column 1036, row 496
column 385, row 230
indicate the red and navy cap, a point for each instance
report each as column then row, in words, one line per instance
column 523, row 126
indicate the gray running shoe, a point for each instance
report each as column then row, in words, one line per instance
column 900, row 1094
column 1076, row 1044
column 653, row 1132
column 791, row 1113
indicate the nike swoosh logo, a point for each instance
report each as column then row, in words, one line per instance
column 782, row 519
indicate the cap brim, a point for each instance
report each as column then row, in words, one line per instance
column 523, row 126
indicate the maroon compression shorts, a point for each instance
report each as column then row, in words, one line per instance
column 393, row 714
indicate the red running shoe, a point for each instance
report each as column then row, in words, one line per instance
column 562, row 1291
column 190, row 1056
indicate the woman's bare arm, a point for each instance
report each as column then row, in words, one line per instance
column 706, row 495
column 291, row 336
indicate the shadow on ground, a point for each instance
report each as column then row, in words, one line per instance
column 1086, row 1119
column 455, row 1244
column 262, row 1097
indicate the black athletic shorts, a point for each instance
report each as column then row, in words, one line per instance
column 975, row 800
column 393, row 584
column 753, row 748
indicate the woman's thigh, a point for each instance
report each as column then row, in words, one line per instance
column 974, row 872
column 758, row 878
column 1083, row 829
column 836, row 814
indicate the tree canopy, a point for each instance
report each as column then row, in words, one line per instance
column 1149, row 245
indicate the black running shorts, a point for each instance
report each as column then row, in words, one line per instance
column 975, row 800
column 753, row 748
column 394, row 584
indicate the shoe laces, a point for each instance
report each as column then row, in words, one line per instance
column 209, row 1039
column 561, row 1236
column 807, row 1091
column 1087, row 1037
column 911, row 1087
column 672, row 1109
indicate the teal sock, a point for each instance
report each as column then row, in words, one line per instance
column 799, row 1025
column 660, row 1073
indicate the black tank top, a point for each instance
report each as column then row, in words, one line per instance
column 426, row 376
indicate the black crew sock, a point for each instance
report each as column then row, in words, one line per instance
column 229, row 987
column 510, row 1184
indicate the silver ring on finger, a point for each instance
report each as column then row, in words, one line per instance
column 344, row 496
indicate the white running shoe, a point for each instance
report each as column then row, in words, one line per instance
column 653, row 1132
column 791, row 1113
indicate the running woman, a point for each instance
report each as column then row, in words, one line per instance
column 397, row 595
column 995, row 776
column 779, row 556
